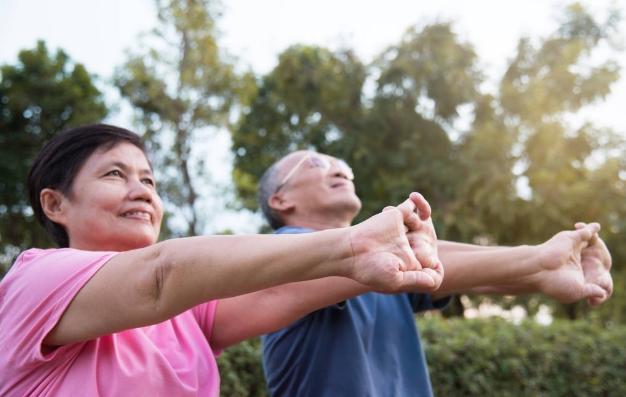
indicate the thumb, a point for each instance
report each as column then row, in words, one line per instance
column 413, row 280
column 592, row 291
column 585, row 232
column 421, row 205
column 409, row 217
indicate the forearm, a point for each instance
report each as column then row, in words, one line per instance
column 473, row 268
column 199, row 269
column 275, row 308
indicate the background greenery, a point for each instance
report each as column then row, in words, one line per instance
column 508, row 163
column 488, row 358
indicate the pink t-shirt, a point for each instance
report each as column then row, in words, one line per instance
column 172, row 358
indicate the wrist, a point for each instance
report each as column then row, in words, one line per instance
column 340, row 254
column 537, row 268
column 357, row 243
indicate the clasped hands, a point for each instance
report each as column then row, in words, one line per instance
column 396, row 251
column 575, row 265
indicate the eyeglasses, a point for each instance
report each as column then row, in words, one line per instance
column 311, row 160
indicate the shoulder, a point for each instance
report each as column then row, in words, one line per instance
column 28, row 256
column 422, row 302
column 51, row 269
column 32, row 257
column 57, row 260
column 40, row 286
column 56, row 255
column 293, row 230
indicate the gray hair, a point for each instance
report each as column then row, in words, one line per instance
column 267, row 186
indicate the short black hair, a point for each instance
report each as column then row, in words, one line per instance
column 59, row 161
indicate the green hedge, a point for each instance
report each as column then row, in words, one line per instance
column 496, row 358
column 241, row 370
column 489, row 358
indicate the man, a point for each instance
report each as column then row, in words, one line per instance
column 368, row 345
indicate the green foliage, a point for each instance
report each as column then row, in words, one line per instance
column 519, row 172
column 310, row 99
column 315, row 98
column 486, row 201
column 573, row 172
column 497, row 358
column 181, row 86
column 241, row 371
column 429, row 64
column 41, row 95
column 488, row 358
column 420, row 86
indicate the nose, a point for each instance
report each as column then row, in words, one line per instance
column 338, row 172
column 139, row 191
column 338, row 169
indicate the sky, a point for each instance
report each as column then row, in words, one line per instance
column 98, row 33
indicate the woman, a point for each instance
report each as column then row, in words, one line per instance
column 112, row 312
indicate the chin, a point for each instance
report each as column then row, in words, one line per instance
column 351, row 204
column 143, row 242
column 353, row 201
column 134, row 242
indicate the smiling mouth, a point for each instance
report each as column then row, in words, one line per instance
column 140, row 215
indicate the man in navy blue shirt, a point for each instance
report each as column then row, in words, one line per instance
column 367, row 343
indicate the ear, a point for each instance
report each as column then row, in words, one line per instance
column 278, row 203
column 53, row 205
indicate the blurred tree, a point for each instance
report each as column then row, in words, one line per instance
column 41, row 95
column 315, row 98
column 311, row 99
column 182, row 89
column 486, row 202
column 519, row 172
column 573, row 172
column 421, row 85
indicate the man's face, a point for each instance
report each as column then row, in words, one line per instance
column 318, row 184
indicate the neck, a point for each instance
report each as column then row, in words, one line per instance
column 318, row 223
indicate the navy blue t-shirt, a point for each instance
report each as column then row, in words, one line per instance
column 368, row 345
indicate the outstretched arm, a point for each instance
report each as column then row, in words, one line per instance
column 149, row 285
column 472, row 268
column 274, row 308
column 570, row 266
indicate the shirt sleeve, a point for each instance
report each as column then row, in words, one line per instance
column 205, row 316
column 422, row 302
column 35, row 294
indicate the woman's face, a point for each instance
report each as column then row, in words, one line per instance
column 113, row 205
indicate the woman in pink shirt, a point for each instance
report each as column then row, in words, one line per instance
column 111, row 312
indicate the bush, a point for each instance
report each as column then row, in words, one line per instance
column 241, row 370
column 488, row 358
column 496, row 358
